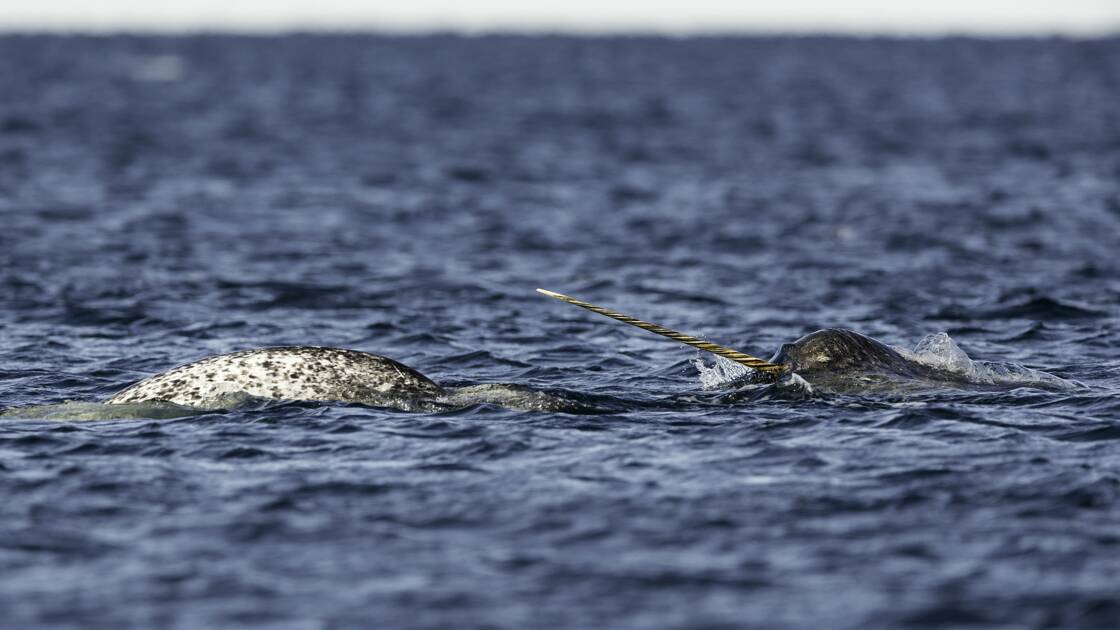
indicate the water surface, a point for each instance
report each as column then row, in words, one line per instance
column 164, row 199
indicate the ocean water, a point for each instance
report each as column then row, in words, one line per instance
column 167, row 198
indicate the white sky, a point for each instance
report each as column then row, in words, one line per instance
column 1080, row 17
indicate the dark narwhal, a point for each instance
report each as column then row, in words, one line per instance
column 844, row 360
column 839, row 360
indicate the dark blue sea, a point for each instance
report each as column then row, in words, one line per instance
column 163, row 199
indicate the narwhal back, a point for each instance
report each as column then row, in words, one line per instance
column 285, row 373
column 845, row 352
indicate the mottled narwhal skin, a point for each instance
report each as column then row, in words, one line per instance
column 283, row 373
column 839, row 359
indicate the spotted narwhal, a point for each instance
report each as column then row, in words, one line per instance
column 312, row 373
column 283, row 373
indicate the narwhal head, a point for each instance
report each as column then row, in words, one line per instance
column 833, row 349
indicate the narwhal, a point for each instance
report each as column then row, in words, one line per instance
column 831, row 356
column 844, row 361
column 283, row 373
column 833, row 359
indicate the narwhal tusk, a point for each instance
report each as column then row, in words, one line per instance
column 770, row 369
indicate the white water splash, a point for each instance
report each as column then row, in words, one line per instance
column 794, row 381
column 940, row 351
column 721, row 373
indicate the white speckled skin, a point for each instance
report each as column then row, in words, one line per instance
column 285, row 373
